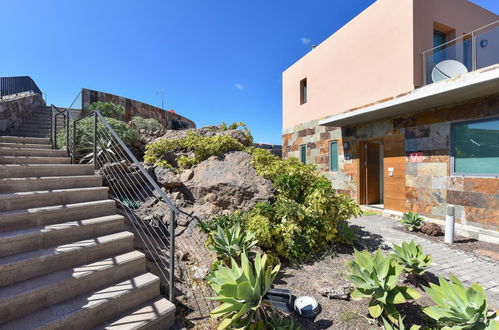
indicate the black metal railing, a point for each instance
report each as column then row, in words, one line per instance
column 14, row 85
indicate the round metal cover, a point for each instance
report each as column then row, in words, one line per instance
column 307, row 307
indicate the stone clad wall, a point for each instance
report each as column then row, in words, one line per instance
column 429, row 184
column 135, row 108
column 16, row 108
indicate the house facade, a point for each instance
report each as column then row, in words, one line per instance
column 400, row 110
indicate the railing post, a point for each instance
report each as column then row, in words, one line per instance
column 425, row 73
column 52, row 126
column 54, row 143
column 67, row 131
column 73, row 155
column 171, row 286
column 473, row 51
column 95, row 139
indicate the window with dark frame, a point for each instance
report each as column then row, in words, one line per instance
column 333, row 156
column 475, row 147
column 303, row 154
column 303, row 91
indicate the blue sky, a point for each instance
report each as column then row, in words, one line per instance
column 218, row 60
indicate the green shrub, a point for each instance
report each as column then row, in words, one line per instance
column 411, row 257
column 108, row 109
column 202, row 148
column 147, row 124
column 230, row 243
column 304, row 217
column 241, row 290
column 346, row 234
column 466, row 308
column 223, row 127
column 411, row 221
column 85, row 131
column 377, row 278
column 276, row 322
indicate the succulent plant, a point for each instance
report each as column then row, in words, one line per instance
column 411, row 256
column 377, row 277
column 241, row 290
column 411, row 221
column 231, row 242
column 388, row 326
column 465, row 308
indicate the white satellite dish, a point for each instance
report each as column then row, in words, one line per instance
column 447, row 69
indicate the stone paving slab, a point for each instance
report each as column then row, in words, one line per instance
column 469, row 268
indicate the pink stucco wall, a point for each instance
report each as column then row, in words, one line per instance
column 373, row 57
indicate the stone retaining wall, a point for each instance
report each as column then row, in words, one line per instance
column 15, row 108
column 429, row 187
column 135, row 108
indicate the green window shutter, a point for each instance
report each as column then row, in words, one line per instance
column 303, row 154
column 333, row 155
column 476, row 147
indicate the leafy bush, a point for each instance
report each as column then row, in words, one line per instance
column 304, row 217
column 377, row 278
column 147, row 124
column 230, row 243
column 108, row 109
column 201, row 147
column 411, row 221
column 465, row 307
column 85, row 131
column 411, row 256
column 223, row 127
column 241, row 290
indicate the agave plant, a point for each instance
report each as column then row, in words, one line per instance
column 241, row 290
column 411, row 256
column 411, row 221
column 108, row 148
column 466, row 308
column 388, row 326
column 377, row 278
column 275, row 322
column 231, row 242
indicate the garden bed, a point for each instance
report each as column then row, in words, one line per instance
column 462, row 243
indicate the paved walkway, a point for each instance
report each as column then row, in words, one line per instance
column 468, row 267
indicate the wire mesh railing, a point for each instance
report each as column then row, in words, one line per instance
column 150, row 214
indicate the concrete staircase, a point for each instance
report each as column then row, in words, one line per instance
column 65, row 260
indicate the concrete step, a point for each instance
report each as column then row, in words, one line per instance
column 48, row 215
column 158, row 313
column 21, row 267
column 11, row 185
column 24, row 200
column 24, row 240
column 27, row 297
column 24, row 139
column 41, row 170
column 25, row 145
column 32, row 152
column 20, row 132
column 34, row 160
column 91, row 309
column 34, row 125
column 30, row 131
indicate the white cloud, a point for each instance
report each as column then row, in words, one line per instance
column 305, row 40
column 239, row 86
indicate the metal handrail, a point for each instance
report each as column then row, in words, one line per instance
column 472, row 33
column 101, row 128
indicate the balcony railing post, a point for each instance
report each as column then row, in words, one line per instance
column 95, row 140
column 473, row 51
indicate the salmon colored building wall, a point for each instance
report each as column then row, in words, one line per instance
column 375, row 56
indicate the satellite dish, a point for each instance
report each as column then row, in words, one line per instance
column 447, row 69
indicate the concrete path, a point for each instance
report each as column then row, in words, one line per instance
column 468, row 267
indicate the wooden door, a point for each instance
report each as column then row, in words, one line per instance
column 394, row 183
column 370, row 173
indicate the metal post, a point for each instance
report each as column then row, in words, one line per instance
column 473, row 51
column 171, row 285
column 54, row 143
column 95, row 139
column 52, row 126
column 67, row 131
column 449, row 224
column 425, row 69
column 73, row 155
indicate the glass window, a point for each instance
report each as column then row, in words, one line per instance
column 303, row 91
column 333, row 155
column 476, row 147
column 303, row 154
